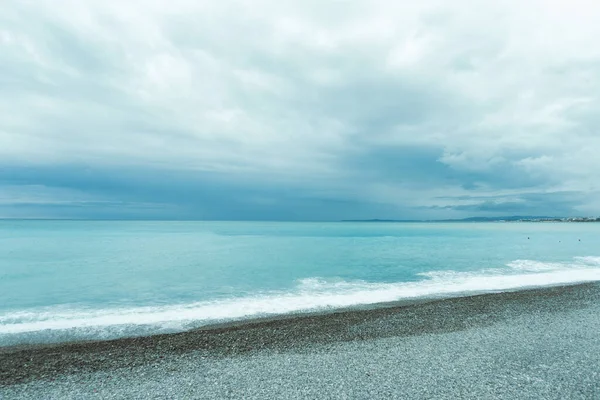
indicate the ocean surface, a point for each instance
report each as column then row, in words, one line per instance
column 74, row 280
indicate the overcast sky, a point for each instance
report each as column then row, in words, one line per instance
column 299, row 110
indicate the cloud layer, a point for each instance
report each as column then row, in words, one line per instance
column 298, row 109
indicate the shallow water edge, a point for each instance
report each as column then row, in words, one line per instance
column 295, row 333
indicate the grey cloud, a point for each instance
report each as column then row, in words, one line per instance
column 538, row 204
column 311, row 110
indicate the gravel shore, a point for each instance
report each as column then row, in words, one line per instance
column 538, row 344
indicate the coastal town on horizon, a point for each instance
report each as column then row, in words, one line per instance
column 492, row 219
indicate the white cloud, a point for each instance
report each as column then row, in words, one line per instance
column 292, row 90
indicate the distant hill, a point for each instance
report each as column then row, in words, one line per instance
column 384, row 220
column 512, row 218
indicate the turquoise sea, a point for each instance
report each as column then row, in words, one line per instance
column 72, row 280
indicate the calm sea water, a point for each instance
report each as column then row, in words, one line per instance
column 67, row 280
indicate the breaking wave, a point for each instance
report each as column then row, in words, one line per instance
column 62, row 323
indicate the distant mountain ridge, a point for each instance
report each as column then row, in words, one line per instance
column 512, row 218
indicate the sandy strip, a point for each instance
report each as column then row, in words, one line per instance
column 542, row 343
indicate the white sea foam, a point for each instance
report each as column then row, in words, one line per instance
column 310, row 294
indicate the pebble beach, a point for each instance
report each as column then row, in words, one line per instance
column 538, row 344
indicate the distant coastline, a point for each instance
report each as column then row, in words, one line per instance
column 489, row 219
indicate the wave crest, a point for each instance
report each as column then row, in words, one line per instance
column 310, row 294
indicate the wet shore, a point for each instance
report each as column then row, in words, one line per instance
column 539, row 343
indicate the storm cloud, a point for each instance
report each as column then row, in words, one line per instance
column 298, row 110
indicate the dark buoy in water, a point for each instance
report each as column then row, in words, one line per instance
column 527, row 237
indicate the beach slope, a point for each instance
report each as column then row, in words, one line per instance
column 538, row 344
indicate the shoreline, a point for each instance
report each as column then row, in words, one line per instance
column 296, row 333
column 252, row 320
column 282, row 318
